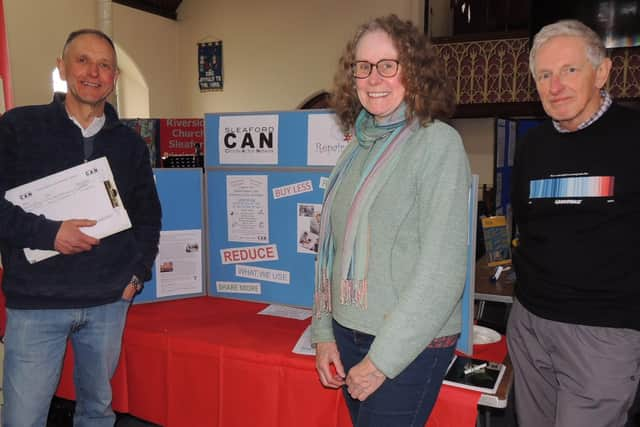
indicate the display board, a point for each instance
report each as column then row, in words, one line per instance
column 508, row 132
column 465, row 342
column 278, row 265
column 505, row 145
column 265, row 179
column 179, row 269
column 264, row 176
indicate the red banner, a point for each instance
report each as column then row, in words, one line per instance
column 181, row 137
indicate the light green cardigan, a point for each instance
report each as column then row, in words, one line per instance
column 417, row 261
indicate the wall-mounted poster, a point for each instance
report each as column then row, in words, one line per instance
column 210, row 65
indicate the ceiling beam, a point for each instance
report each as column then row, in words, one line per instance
column 146, row 7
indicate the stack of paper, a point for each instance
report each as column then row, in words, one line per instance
column 86, row 191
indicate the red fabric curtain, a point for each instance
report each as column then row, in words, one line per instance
column 5, row 70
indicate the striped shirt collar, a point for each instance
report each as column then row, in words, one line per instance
column 604, row 106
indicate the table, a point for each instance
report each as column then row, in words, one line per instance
column 498, row 291
column 214, row 362
column 486, row 290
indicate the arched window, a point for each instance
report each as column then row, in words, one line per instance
column 59, row 85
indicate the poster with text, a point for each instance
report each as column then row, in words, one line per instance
column 325, row 140
column 181, row 137
column 179, row 263
column 248, row 139
column 247, row 208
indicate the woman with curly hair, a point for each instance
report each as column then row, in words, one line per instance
column 392, row 254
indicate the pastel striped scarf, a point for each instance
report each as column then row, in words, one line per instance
column 377, row 169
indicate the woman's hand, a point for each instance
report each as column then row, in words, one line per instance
column 363, row 379
column 329, row 365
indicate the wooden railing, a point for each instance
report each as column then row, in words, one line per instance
column 491, row 77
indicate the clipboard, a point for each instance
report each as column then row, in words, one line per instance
column 84, row 191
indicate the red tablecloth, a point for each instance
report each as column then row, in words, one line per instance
column 215, row 362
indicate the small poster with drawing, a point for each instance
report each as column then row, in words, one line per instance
column 496, row 240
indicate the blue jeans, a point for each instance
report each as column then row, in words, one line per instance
column 35, row 343
column 404, row 401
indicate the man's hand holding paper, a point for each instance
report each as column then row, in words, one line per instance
column 70, row 238
column 85, row 198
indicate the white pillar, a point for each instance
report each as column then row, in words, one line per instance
column 105, row 24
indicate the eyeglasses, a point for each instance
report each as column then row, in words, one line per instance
column 385, row 67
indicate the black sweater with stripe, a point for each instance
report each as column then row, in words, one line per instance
column 576, row 203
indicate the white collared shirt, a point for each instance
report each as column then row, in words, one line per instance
column 93, row 128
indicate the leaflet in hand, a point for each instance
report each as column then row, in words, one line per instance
column 86, row 191
column 474, row 374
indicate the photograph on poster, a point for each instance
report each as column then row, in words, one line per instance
column 179, row 263
column 308, row 227
column 324, row 181
column 166, row 267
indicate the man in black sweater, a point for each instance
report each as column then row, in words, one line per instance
column 574, row 329
column 84, row 292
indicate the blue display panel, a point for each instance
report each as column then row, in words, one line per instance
column 465, row 342
column 181, row 197
column 285, row 214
